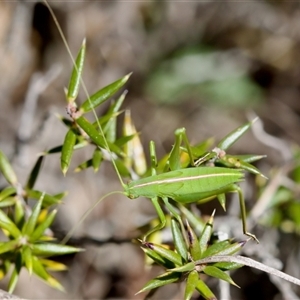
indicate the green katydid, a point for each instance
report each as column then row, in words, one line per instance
column 186, row 185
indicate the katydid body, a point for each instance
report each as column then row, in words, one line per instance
column 185, row 185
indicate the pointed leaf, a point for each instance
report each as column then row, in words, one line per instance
column 227, row 266
column 53, row 265
column 13, row 280
column 9, row 246
column 4, row 268
column 27, row 258
column 8, row 202
column 30, row 224
column 40, row 271
column 7, row 224
column 67, row 150
column 164, row 252
column 162, row 261
column 97, row 159
column 194, row 247
column 103, row 94
column 40, row 229
column 206, row 234
column 162, row 280
column 83, row 166
column 6, row 192
column 48, row 249
column 19, row 213
column 95, row 136
column 222, row 200
column 223, row 248
column 184, row 268
column 76, row 74
column 233, row 136
column 48, row 199
column 178, row 239
column 34, row 173
column 217, row 273
column 250, row 158
column 205, row 291
column 7, row 170
column 191, row 284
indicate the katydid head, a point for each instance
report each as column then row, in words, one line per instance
column 129, row 192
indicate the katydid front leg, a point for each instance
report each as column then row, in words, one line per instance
column 155, row 200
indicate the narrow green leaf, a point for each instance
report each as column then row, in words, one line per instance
column 76, row 74
column 67, row 150
column 178, row 239
column 162, row 280
column 4, row 268
column 222, row 200
column 34, row 173
column 7, row 224
column 8, row 202
column 191, row 284
column 53, row 265
column 217, row 273
column 9, row 246
column 48, row 249
column 122, row 169
column 95, row 136
column 205, row 291
column 30, row 224
column 40, row 229
column 48, row 199
column 6, row 192
column 196, row 222
column 40, row 271
column 122, row 141
column 162, row 261
column 13, row 280
column 103, row 120
column 216, row 247
column 103, row 94
column 97, row 159
column 27, row 258
column 164, row 252
column 206, row 234
column 250, row 158
column 110, row 127
column 223, row 248
column 19, row 213
column 184, row 268
column 7, row 170
column 194, row 247
column 227, row 266
column 233, row 136
column 83, row 166
column 200, row 149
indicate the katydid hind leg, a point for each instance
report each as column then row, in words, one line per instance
column 243, row 213
column 161, row 215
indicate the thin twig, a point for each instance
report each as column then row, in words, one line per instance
column 250, row 263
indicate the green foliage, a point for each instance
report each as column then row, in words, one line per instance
column 180, row 265
column 27, row 241
column 187, row 174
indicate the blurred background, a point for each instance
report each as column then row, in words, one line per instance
column 207, row 66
